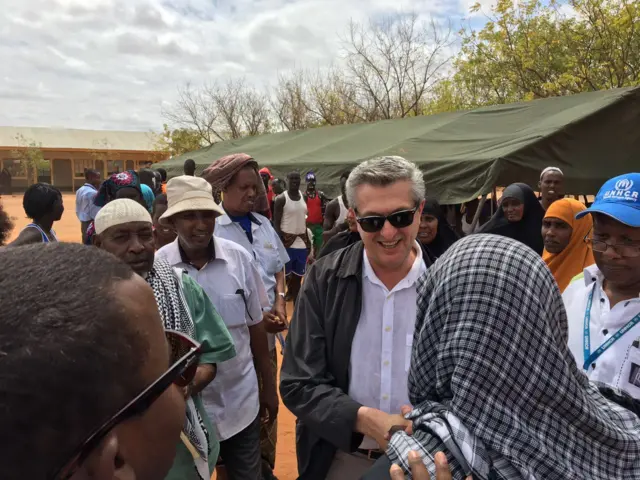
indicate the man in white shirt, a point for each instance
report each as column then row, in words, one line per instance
column 226, row 272
column 242, row 225
column 86, row 211
column 344, row 373
column 603, row 303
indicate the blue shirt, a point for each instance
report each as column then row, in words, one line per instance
column 245, row 222
column 86, row 211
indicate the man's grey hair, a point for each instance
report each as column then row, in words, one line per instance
column 384, row 171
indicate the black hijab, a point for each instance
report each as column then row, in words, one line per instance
column 528, row 229
column 445, row 237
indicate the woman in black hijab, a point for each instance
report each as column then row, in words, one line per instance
column 519, row 217
column 435, row 234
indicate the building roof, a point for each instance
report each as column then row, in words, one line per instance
column 69, row 138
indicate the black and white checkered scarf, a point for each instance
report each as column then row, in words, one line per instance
column 493, row 383
column 174, row 311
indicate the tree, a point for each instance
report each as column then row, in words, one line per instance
column 30, row 155
column 534, row 49
column 393, row 65
column 176, row 141
column 221, row 111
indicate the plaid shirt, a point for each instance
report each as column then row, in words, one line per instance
column 493, row 382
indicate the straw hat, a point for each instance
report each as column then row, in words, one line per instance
column 187, row 193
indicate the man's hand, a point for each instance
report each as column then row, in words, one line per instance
column 376, row 424
column 280, row 309
column 272, row 323
column 311, row 259
column 419, row 471
column 268, row 405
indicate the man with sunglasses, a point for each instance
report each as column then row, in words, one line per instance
column 90, row 386
column 345, row 368
column 227, row 273
column 124, row 228
column 603, row 303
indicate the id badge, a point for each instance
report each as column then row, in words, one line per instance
column 630, row 377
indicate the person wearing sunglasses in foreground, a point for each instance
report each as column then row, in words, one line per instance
column 603, row 303
column 90, row 389
column 344, row 372
column 123, row 228
column 492, row 382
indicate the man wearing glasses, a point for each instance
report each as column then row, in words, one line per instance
column 344, row 373
column 91, row 382
column 603, row 303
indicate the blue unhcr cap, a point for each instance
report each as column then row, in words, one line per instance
column 619, row 198
column 311, row 177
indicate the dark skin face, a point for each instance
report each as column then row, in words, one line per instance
column 311, row 186
column 240, row 194
column 428, row 228
column 195, row 229
column 163, row 234
column 132, row 194
column 294, row 182
column 95, row 180
column 552, row 186
column 58, row 209
column 556, row 234
column 146, row 444
column 621, row 273
column 513, row 209
column 131, row 242
column 278, row 187
column 265, row 180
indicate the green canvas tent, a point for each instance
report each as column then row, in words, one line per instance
column 590, row 136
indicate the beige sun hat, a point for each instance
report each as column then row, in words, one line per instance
column 185, row 193
column 118, row 212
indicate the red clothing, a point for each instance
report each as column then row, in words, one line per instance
column 314, row 210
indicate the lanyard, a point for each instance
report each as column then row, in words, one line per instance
column 589, row 357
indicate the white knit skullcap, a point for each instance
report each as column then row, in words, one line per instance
column 550, row 169
column 117, row 212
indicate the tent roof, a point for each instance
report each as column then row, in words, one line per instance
column 591, row 136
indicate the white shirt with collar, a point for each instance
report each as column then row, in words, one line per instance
column 231, row 400
column 86, row 211
column 381, row 348
column 615, row 366
column 267, row 249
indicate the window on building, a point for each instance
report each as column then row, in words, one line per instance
column 130, row 165
column 80, row 166
column 115, row 166
column 14, row 167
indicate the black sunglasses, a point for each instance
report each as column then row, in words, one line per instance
column 185, row 354
column 374, row 223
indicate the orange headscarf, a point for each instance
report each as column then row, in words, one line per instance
column 577, row 255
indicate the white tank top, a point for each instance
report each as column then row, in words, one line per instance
column 343, row 211
column 294, row 219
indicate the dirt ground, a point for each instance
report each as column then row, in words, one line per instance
column 68, row 230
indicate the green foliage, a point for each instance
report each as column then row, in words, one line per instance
column 532, row 49
column 177, row 141
column 30, row 155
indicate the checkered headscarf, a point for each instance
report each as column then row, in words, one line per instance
column 492, row 380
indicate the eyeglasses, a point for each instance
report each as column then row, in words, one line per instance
column 374, row 223
column 185, row 353
column 622, row 249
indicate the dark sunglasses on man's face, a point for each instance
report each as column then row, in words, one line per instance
column 185, row 353
column 400, row 219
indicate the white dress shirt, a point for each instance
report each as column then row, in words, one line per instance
column 86, row 211
column 231, row 400
column 381, row 348
column 615, row 366
column 267, row 249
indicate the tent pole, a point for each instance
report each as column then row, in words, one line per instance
column 476, row 217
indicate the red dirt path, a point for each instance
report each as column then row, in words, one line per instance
column 68, row 230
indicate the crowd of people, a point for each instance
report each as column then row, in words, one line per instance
column 504, row 345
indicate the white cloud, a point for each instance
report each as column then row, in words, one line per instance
column 115, row 63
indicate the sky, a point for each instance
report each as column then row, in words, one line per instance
column 115, row 64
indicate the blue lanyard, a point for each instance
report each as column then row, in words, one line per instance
column 591, row 357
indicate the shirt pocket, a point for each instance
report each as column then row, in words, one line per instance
column 407, row 351
column 630, row 375
column 232, row 310
column 268, row 257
